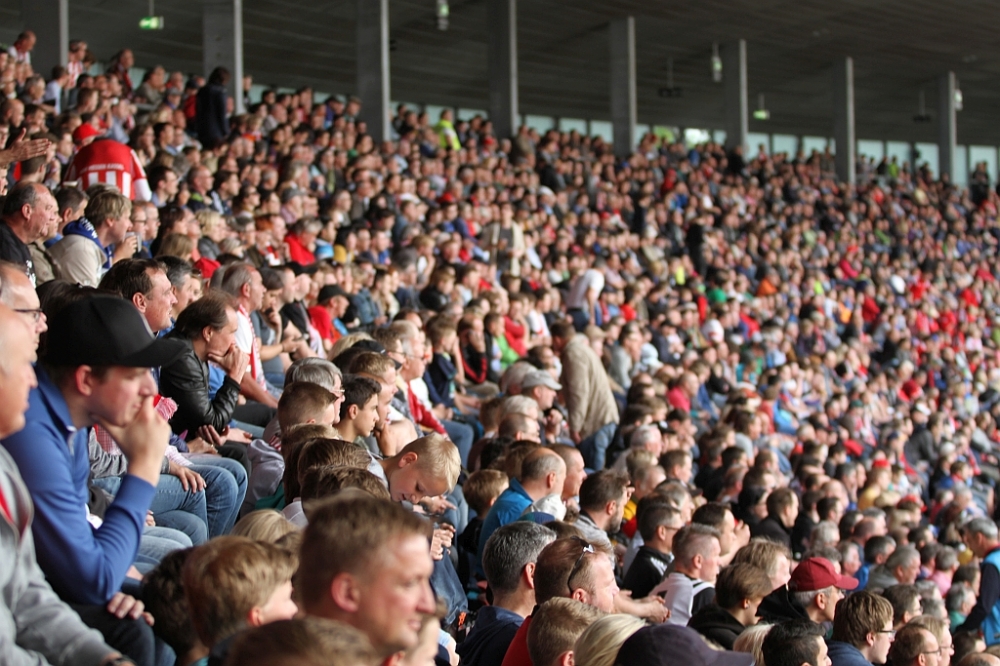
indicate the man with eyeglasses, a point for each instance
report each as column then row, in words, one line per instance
column 915, row 646
column 17, row 294
column 862, row 630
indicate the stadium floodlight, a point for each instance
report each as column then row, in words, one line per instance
column 716, row 64
column 958, row 98
column 442, row 14
column 761, row 112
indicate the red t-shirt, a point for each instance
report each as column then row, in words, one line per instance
column 320, row 318
column 110, row 162
column 517, row 653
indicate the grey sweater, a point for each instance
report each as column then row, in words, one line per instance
column 35, row 626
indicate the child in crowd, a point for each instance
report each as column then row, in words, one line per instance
column 307, row 641
column 163, row 592
column 427, row 467
column 482, row 489
column 317, row 453
column 232, row 583
column 359, row 411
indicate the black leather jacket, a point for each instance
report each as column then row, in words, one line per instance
column 186, row 382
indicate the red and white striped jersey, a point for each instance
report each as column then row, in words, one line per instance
column 108, row 161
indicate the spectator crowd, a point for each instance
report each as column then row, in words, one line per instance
column 271, row 392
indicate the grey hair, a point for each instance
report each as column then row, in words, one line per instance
column 805, row 599
column 643, row 435
column 984, row 526
column 510, row 549
column 826, row 533
column 314, row 371
column 906, row 554
column 516, row 404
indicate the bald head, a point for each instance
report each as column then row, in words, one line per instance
column 17, row 376
column 543, row 472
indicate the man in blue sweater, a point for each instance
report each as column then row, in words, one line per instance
column 95, row 371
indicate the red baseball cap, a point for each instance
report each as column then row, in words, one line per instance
column 818, row 573
column 84, row 132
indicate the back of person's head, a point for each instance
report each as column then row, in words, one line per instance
column 860, row 614
column 555, row 627
column 911, row 641
column 235, row 277
column 227, row 578
column 509, row 550
column 793, row 643
column 904, row 599
column 306, row 641
column 163, row 594
column 598, row 645
column 538, row 464
column 107, row 205
column 370, row 363
column 878, row 546
column 779, row 501
column 437, row 457
column 901, row 557
column 209, row 311
column 266, row 525
column 751, row 641
column 741, row 582
column 692, row 541
column 966, row 644
column 313, row 370
column 483, row 487
column 562, row 560
column 326, row 480
column 602, row 487
column 302, row 402
column 346, row 534
column 713, row 514
column 652, row 513
column 322, row 452
column 513, row 425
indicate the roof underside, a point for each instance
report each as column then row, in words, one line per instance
column 900, row 47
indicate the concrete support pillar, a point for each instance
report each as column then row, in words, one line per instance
column 623, row 88
column 843, row 119
column 222, row 43
column 947, row 127
column 501, row 22
column 373, row 67
column 49, row 20
column 734, row 80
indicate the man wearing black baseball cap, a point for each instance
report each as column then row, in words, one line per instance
column 94, row 372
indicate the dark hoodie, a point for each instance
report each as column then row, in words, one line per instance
column 845, row 654
column 717, row 625
column 779, row 607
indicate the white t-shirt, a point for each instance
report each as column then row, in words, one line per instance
column 248, row 344
column 589, row 279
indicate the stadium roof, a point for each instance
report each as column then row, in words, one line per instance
column 900, row 47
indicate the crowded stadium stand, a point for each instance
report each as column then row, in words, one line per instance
column 298, row 377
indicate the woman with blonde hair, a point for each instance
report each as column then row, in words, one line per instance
column 213, row 231
column 751, row 641
column 176, row 245
column 266, row 525
column 598, row 645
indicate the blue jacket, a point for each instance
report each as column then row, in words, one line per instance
column 845, row 654
column 508, row 508
column 487, row 643
column 83, row 565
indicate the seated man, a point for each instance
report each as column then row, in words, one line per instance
column 359, row 410
column 95, row 370
column 915, row 646
column 738, row 592
column 40, row 626
column 658, row 523
column 366, row 562
column 862, row 630
column 509, row 561
column 691, row 586
column 93, row 243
